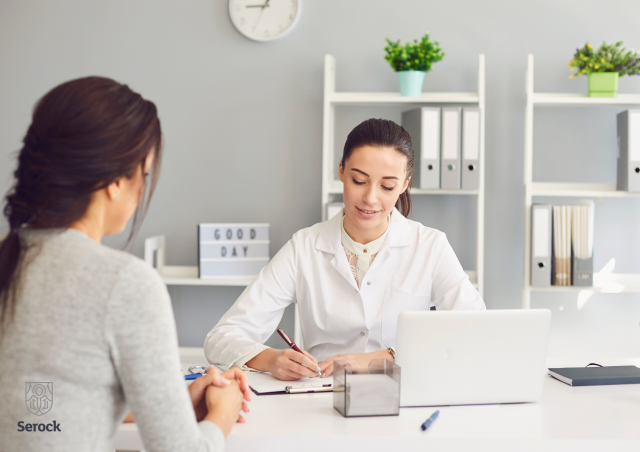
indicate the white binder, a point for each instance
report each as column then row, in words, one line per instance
column 450, row 155
column 423, row 125
column 470, row 148
column 629, row 151
column 541, row 245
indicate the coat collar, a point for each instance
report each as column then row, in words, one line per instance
column 329, row 238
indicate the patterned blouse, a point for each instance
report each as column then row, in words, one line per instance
column 361, row 256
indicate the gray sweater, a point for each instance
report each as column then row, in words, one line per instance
column 98, row 324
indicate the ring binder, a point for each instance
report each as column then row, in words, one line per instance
column 450, row 156
column 470, row 148
column 424, row 127
column 628, row 124
column 541, row 245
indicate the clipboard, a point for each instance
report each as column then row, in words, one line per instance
column 263, row 383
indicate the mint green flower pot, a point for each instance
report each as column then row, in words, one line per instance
column 411, row 83
column 603, row 84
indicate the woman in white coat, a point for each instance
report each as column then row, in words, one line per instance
column 351, row 276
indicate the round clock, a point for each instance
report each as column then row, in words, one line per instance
column 264, row 20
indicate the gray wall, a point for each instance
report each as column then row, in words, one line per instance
column 243, row 120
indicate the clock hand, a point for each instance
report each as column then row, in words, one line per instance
column 259, row 16
column 262, row 7
column 258, row 6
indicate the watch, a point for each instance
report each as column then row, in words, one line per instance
column 392, row 352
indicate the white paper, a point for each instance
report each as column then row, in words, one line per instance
column 265, row 382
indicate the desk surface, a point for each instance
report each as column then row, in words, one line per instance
column 567, row 418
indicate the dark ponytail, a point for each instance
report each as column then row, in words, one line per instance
column 84, row 135
column 384, row 134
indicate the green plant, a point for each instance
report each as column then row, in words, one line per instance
column 413, row 56
column 608, row 58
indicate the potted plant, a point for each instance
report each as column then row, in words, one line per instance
column 412, row 61
column 604, row 67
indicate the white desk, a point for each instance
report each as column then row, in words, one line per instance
column 595, row 418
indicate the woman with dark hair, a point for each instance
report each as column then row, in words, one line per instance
column 87, row 331
column 350, row 276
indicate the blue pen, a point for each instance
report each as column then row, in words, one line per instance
column 196, row 372
column 428, row 422
column 192, row 376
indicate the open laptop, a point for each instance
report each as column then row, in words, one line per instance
column 472, row 357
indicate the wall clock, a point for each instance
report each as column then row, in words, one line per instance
column 264, row 20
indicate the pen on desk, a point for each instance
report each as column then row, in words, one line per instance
column 293, row 345
column 428, row 422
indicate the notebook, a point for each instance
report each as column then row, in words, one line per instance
column 595, row 376
column 263, row 383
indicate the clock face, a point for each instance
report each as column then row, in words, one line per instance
column 264, row 20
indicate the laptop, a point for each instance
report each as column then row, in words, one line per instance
column 472, row 357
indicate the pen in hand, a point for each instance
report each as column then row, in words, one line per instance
column 293, row 345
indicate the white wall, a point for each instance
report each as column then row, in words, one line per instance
column 242, row 120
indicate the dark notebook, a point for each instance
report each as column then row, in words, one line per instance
column 595, row 376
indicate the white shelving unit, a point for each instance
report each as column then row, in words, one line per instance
column 606, row 282
column 179, row 275
column 333, row 99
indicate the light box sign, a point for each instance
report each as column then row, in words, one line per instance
column 232, row 250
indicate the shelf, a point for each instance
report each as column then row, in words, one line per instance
column 174, row 275
column 580, row 190
column 603, row 283
column 178, row 275
column 333, row 99
column 355, row 98
column 583, row 99
column 336, row 189
column 442, row 191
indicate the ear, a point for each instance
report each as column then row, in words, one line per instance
column 114, row 189
column 341, row 172
column 406, row 184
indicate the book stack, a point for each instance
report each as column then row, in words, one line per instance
column 232, row 250
column 562, row 245
column 446, row 142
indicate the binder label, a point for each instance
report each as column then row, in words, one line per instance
column 470, row 135
column 541, row 232
column 450, row 144
column 430, row 134
column 634, row 136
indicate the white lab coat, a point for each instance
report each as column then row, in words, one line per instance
column 416, row 268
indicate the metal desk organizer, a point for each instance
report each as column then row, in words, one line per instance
column 374, row 391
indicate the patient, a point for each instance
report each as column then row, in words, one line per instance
column 87, row 332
